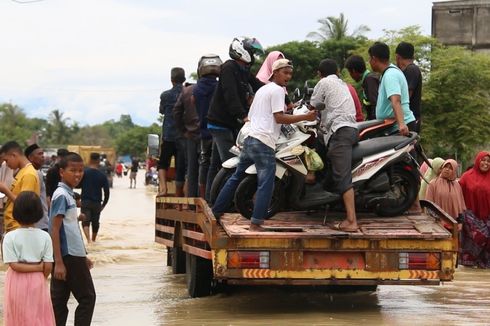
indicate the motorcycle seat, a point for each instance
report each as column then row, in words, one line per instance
column 368, row 124
column 376, row 145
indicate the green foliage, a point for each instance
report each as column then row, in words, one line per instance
column 336, row 28
column 14, row 125
column 134, row 141
column 305, row 56
column 456, row 106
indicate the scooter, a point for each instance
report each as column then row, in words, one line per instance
column 384, row 173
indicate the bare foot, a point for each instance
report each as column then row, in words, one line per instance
column 346, row 226
column 256, row 228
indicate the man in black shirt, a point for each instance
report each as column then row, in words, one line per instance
column 92, row 184
column 133, row 172
column 404, row 60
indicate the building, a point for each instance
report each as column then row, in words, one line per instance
column 464, row 23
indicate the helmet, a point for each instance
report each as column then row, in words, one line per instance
column 209, row 64
column 243, row 48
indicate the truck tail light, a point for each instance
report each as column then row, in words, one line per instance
column 420, row 260
column 248, row 259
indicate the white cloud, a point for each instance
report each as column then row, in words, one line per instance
column 95, row 60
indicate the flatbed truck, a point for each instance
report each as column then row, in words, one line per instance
column 300, row 248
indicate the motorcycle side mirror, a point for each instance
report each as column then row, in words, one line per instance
column 153, row 145
column 296, row 94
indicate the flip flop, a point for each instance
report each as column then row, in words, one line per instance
column 337, row 226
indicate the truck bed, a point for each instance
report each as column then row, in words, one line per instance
column 314, row 225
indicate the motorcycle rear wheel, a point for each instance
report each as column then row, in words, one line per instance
column 218, row 183
column 245, row 197
column 404, row 187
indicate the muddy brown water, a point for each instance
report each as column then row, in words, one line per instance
column 134, row 287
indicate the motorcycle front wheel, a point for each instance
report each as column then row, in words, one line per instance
column 245, row 197
column 404, row 189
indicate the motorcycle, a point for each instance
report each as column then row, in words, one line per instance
column 384, row 173
column 367, row 130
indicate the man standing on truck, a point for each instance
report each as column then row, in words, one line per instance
column 404, row 60
column 266, row 116
column 338, row 123
column 393, row 98
column 172, row 143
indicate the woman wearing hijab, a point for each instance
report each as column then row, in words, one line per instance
column 265, row 70
column 445, row 191
column 429, row 175
column 475, row 184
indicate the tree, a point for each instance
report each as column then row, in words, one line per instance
column 336, row 28
column 58, row 129
column 135, row 140
column 305, row 56
column 14, row 125
column 456, row 105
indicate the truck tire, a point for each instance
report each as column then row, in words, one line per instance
column 199, row 273
column 245, row 193
column 178, row 260
column 404, row 188
column 218, row 183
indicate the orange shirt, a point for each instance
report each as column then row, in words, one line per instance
column 25, row 180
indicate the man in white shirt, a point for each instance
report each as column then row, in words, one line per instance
column 266, row 116
column 338, row 123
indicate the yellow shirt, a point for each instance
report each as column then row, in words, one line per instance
column 25, row 180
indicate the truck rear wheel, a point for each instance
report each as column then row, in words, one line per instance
column 178, row 260
column 199, row 273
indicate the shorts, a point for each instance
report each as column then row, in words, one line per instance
column 339, row 154
column 167, row 150
column 92, row 214
column 132, row 175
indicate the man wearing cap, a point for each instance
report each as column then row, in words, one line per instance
column 92, row 184
column 35, row 155
column 338, row 124
column 266, row 116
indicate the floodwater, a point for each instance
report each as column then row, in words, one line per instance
column 134, row 287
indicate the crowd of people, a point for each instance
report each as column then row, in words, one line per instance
column 42, row 236
column 202, row 120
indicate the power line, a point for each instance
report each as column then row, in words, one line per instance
column 26, row 1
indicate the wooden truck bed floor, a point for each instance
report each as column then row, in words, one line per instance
column 304, row 225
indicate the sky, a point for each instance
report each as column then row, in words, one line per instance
column 97, row 59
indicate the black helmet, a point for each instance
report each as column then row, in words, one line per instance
column 243, row 48
column 209, row 64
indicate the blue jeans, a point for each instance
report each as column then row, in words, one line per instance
column 223, row 140
column 193, row 150
column 254, row 152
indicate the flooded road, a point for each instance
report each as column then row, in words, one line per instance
column 134, row 287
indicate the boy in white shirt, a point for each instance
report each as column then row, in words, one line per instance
column 266, row 116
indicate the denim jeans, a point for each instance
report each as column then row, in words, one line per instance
column 205, row 159
column 254, row 152
column 223, row 140
column 193, row 150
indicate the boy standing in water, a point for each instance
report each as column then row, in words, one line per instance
column 71, row 265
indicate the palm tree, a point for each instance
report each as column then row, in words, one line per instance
column 333, row 28
column 59, row 129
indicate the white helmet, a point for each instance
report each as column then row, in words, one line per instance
column 243, row 48
column 209, row 64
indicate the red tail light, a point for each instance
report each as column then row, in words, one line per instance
column 248, row 259
column 420, row 260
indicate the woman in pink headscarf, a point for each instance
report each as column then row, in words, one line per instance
column 265, row 70
column 445, row 191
